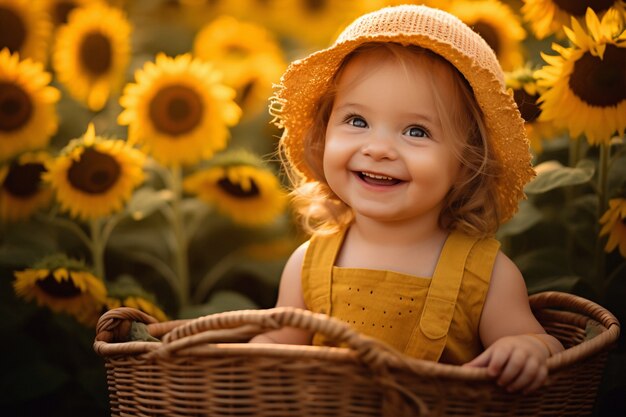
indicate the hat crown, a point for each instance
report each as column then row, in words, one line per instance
column 411, row 22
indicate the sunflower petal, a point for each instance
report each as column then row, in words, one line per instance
column 593, row 24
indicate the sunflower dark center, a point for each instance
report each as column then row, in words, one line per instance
column 12, row 30
column 24, row 180
column 600, row 82
column 315, row 6
column 579, row 7
column 95, row 53
column 63, row 289
column 94, row 173
column 176, row 110
column 16, row 107
column 61, row 11
column 489, row 34
column 527, row 105
column 236, row 190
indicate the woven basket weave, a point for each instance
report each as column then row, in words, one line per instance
column 203, row 367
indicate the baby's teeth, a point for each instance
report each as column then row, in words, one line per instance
column 378, row 177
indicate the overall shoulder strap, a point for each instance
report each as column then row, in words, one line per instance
column 317, row 270
column 430, row 334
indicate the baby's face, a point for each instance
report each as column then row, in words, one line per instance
column 385, row 153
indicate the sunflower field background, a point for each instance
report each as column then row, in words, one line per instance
column 137, row 166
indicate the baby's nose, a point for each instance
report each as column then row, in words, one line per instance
column 380, row 147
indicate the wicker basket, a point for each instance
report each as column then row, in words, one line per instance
column 203, row 367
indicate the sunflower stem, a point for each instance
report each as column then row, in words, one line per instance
column 108, row 227
column 182, row 268
column 571, row 192
column 574, row 151
column 97, row 247
column 603, row 183
column 603, row 171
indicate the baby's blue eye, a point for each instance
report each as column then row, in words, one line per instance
column 357, row 122
column 416, row 132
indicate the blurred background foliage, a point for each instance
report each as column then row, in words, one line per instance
column 137, row 166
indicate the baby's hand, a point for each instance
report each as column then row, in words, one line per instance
column 518, row 362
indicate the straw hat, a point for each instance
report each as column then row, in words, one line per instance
column 307, row 79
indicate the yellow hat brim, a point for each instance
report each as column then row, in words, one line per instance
column 305, row 80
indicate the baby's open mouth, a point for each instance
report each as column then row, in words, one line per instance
column 377, row 179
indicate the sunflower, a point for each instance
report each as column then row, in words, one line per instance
column 586, row 84
column 614, row 224
column 526, row 93
column 24, row 28
column 248, row 56
column 64, row 286
column 59, row 10
column 313, row 22
column 22, row 191
column 498, row 24
column 179, row 110
column 27, row 105
column 91, row 54
column 93, row 177
column 546, row 17
column 249, row 194
column 126, row 292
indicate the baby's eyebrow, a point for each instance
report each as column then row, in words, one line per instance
column 350, row 105
column 421, row 116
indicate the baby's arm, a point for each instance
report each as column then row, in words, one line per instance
column 289, row 294
column 517, row 345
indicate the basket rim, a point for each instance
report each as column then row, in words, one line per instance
column 191, row 337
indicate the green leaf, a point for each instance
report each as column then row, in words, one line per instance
column 555, row 176
column 617, row 174
column 146, row 201
column 527, row 216
column 197, row 215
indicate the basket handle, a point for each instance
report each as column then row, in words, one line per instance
column 114, row 325
column 372, row 352
column 556, row 299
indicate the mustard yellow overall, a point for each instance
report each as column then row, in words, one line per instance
column 429, row 318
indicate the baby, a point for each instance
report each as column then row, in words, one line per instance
column 406, row 154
